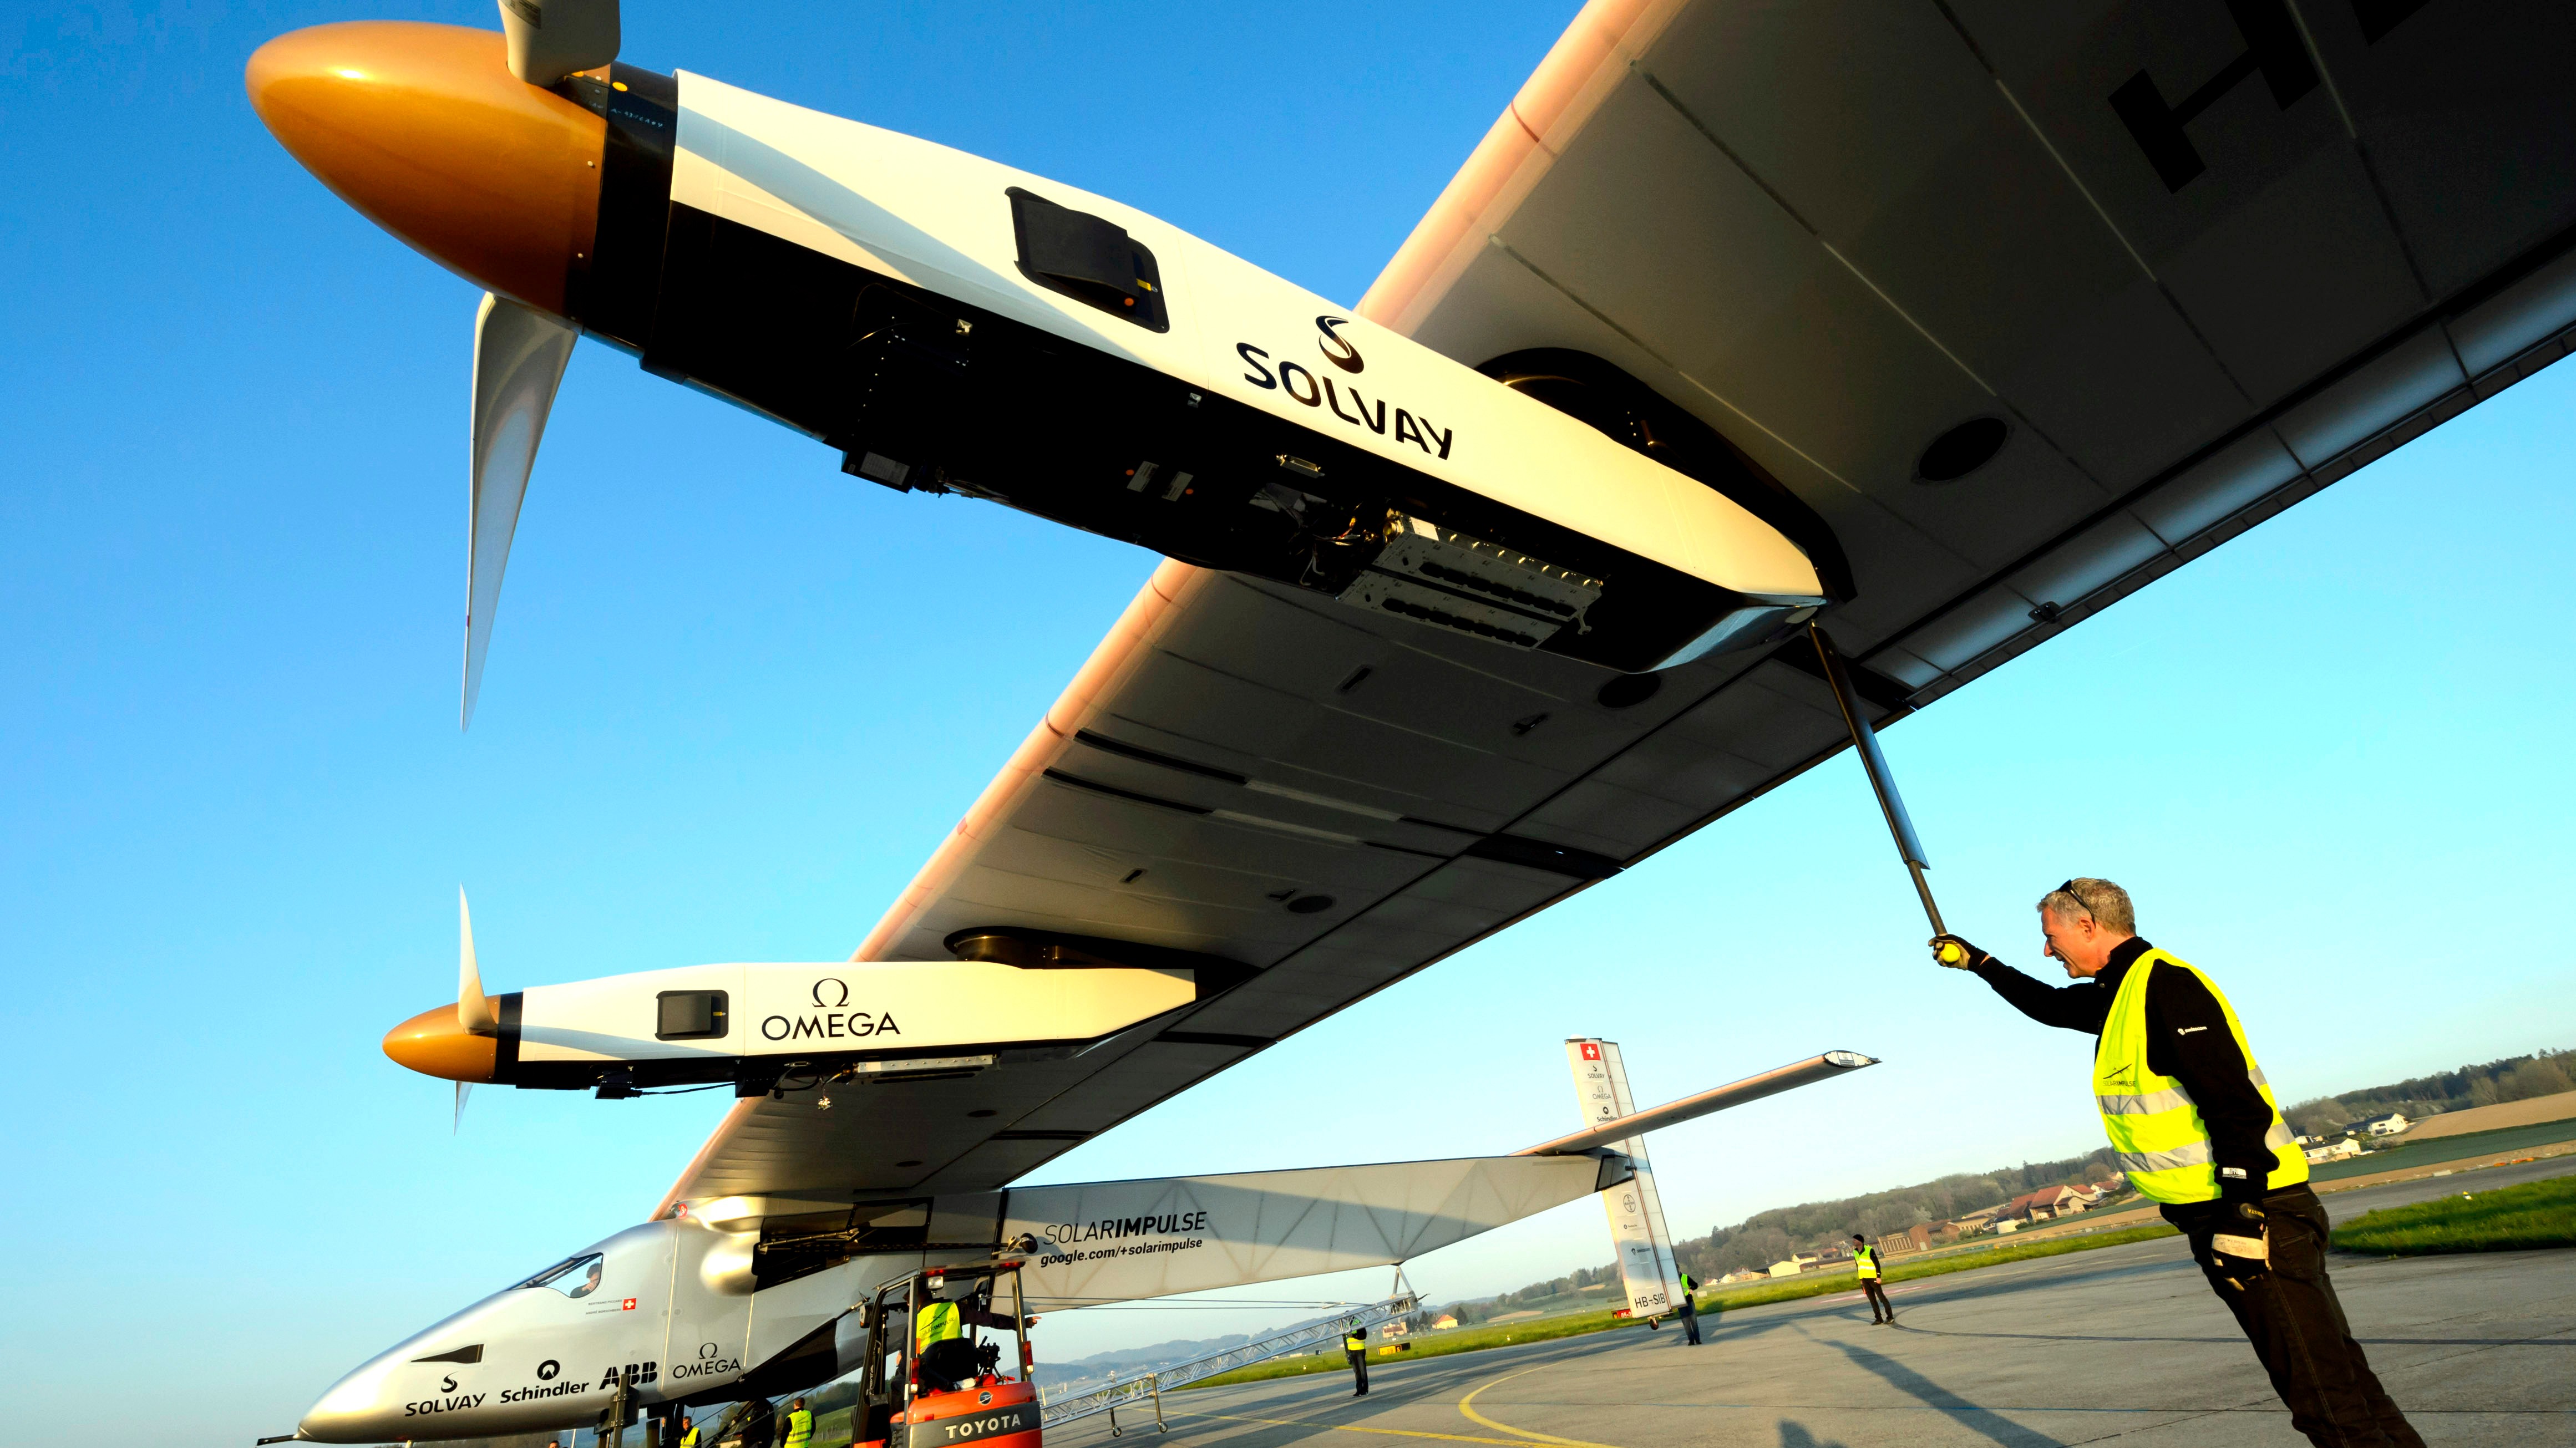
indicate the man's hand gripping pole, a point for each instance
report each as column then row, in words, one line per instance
column 1947, row 949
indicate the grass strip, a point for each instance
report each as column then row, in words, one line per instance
column 2533, row 1214
column 1576, row 1324
column 1823, row 1284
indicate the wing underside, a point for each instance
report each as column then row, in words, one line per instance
column 2197, row 261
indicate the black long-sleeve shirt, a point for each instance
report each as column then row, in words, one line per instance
column 2187, row 1039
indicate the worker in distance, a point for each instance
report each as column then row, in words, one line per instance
column 1865, row 1262
column 2197, row 1131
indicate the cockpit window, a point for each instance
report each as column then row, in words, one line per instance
column 576, row 1278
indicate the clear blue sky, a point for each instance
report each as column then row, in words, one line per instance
column 735, row 698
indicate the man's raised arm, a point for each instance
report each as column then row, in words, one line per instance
column 2079, row 1007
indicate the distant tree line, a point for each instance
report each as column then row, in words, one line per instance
column 1768, row 1237
column 2514, row 1078
column 1470, row 1313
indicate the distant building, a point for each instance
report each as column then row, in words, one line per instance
column 2389, row 1125
column 1917, row 1238
column 2006, row 1225
column 2047, row 1204
column 2334, row 1151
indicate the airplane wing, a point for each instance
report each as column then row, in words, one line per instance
column 2156, row 271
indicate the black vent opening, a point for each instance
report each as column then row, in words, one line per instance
column 1088, row 258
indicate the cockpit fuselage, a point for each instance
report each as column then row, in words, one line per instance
column 668, row 1310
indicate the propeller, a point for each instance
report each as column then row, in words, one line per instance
column 519, row 359
column 551, row 39
column 473, row 1008
column 519, row 354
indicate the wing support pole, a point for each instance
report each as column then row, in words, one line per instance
column 1909, row 846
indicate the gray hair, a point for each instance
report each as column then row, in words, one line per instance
column 2107, row 903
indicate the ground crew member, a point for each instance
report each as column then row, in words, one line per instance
column 800, row 1426
column 1355, row 1347
column 2196, row 1129
column 688, row 1432
column 943, row 1321
column 940, row 1321
column 1865, row 1259
column 1690, row 1309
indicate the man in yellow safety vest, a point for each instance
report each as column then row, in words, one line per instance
column 2195, row 1127
column 940, row 1321
column 1865, row 1261
column 688, row 1432
column 800, row 1426
column 1355, row 1347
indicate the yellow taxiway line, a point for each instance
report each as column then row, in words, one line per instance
column 1467, row 1405
column 1355, row 1428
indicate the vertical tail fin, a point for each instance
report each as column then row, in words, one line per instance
column 1645, row 1244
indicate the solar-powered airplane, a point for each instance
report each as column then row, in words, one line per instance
column 1939, row 327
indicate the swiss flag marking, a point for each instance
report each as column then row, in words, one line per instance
column 1591, row 1052
column 629, row 1307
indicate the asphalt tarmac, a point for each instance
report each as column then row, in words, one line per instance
column 2120, row 1344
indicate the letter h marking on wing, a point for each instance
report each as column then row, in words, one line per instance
column 2272, row 46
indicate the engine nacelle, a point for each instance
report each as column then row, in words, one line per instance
column 754, row 1024
column 952, row 325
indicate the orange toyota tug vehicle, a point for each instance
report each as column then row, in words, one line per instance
column 938, row 1341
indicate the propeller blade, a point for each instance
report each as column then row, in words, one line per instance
column 519, row 358
column 551, row 39
column 473, row 1008
column 463, row 1090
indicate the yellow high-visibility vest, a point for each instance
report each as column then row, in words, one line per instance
column 2152, row 1121
column 690, row 1438
column 939, row 1322
column 800, row 1428
column 1867, row 1257
column 1354, row 1342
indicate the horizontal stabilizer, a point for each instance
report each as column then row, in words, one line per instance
column 1751, row 1088
column 1119, row 1241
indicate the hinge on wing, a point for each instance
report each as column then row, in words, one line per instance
column 1029, row 949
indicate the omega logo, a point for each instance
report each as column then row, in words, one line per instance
column 841, row 996
column 706, row 1350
